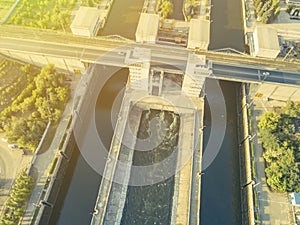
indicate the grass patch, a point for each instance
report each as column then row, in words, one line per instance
column 5, row 6
column 70, row 121
column 252, row 149
column 44, row 14
column 250, row 126
column 54, row 162
column 257, row 216
column 253, row 169
column 249, row 111
column 61, row 144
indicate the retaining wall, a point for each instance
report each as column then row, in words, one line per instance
column 247, row 201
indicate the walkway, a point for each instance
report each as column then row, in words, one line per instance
column 274, row 208
column 44, row 160
column 185, row 175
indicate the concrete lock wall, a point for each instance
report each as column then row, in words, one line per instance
column 67, row 65
column 56, row 182
column 247, row 201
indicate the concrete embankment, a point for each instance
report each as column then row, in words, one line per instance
column 247, row 203
column 56, row 182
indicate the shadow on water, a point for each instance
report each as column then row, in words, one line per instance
column 226, row 27
column 123, row 18
column 69, row 209
column 177, row 10
column 77, row 198
column 220, row 189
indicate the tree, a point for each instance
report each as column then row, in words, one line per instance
column 266, row 9
column 20, row 193
column 269, row 121
column 281, row 148
column 166, row 8
column 63, row 94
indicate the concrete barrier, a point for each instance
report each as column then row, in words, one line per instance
column 248, row 217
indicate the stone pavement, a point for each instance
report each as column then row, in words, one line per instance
column 44, row 160
column 274, row 208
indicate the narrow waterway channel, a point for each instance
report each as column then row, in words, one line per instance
column 123, row 18
column 78, row 196
column 220, row 189
column 226, row 26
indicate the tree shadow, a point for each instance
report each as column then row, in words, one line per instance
column 4, row 185
column 48, row 139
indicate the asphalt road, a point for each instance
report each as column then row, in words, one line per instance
column 113, row 53
column 255, row 75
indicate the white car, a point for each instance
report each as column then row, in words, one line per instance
column 13, row 146
column 121, row 53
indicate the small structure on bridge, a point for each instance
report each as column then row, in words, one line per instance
column 139, row 65
column 199, row 34
column 197, row 70
column 87, row 21
column 147, row 28
column 266, row 43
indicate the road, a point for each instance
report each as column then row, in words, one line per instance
column 228, row 72
column 110, row 52
column 11, row 161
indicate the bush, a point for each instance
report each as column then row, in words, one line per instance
column 19, row 195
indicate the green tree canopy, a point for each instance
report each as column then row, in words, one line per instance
column 166, row 8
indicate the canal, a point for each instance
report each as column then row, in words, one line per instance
column 220, row 200
column 77, row 198
column 123, row 18
column 226, row 26
column 220, row 188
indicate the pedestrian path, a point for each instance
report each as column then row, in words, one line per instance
column 185, row 174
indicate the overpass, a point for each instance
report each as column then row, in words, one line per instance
column 77, row 53
column 109, row 51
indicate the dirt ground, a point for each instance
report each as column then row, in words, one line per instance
column 11, row 162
